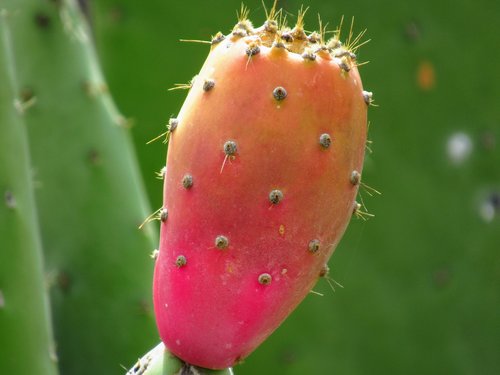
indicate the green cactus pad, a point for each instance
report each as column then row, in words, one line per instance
column 26, row 343
column 89, row 192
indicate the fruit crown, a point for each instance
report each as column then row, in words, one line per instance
column 275, row 33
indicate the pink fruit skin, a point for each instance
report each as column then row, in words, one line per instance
column 213, row 311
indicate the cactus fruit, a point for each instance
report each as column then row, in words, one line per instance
column 272, row 132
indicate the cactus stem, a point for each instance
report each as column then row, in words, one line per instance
column 160, row 361
column 2, row 300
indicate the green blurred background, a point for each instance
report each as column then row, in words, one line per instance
column 421, row 279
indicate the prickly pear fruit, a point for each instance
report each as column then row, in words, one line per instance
column 263, row 168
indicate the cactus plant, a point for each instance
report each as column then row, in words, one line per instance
column 26, row 342
column 263, row 168
column 159, row 361
column 90, row 197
